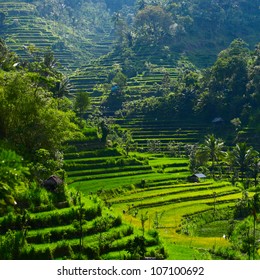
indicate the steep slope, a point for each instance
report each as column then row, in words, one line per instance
column 23, row 26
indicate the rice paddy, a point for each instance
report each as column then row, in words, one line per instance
column 157, row 188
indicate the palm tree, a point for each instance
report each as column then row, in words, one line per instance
column 242, row 158
column 213, row 147
column 255, row 169
column 63, row 88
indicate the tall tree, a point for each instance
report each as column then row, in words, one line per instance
column 255, row 168
column 82, row 102
column 242, row 237
column 254, row 86
column 153, row 24
column 226, row 82
column 213, row 147
column 30, row 118
column 242, row 158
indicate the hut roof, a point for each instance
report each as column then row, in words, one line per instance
column 52, row 182
column 200, row 175
column 217, row 120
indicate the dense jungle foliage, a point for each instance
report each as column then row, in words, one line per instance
column 36, row 120
column 228, row 89
column 195, row 28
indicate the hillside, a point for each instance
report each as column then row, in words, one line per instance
column 78, row 31
column 32, row 24
column 199, row 29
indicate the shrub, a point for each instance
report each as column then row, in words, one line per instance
column 142, row 184
column 8, row 222
column 53, row 218
column 63, row 250
column 127, row 231
column 110, row 162
column 32, row 254
column 12, row 245
column 93, row 212
column 136, row 247
column 92, row 252
column 226, row 254
column 153, row 233
column 117, row 221
column 159, row 253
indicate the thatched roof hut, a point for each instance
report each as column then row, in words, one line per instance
column 52, row 183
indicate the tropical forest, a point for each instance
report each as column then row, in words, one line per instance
column 130, row 129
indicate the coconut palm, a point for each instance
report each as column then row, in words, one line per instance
column 63, row 88
column 242, row 158
column 213, row 147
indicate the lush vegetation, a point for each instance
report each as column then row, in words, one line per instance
column 129, row 129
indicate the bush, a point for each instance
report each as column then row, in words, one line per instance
column 128, row 231
column 32, row 254
column 110, row 162
column 92, row 252
column 63, row 250
column 93, row 212
column 117, row 221
column 226, row 254
column 136, row 247
column 34, row 198
column 12, row 244
column 14, row 222
column 53, row 218
column 153, row 233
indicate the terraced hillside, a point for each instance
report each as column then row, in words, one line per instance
column 92, row 232
column 169, row 207
column 184, row 196
column 142, row 84
column 99, row 170
column 155, row 187
column 149, row 132
column 24, row 27
column 89, row 79
column 250, row 136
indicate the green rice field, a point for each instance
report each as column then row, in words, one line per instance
column 157, row 188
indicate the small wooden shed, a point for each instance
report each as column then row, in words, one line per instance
column 196, row 177
column 52, row 183
column 218, row 122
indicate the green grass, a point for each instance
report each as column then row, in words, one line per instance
column 165, row 193
column 112, row 182
column 166, row 161
column 107, row 170
column 170, row 191
column 108, row 176
column 173, row 198
column 184, row 252
column 214, row 229
column 91, row 160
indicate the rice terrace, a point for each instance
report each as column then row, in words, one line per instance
column 129, row 130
